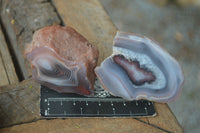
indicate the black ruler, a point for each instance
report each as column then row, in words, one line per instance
column 53, row 104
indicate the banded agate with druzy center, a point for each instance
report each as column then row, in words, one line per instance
column 140, row 69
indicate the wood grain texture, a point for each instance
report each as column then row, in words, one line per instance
column 165, row 119
column 90, row 19
column 7, row 62
column 3, row 75
column 89, row 125
column 19, row 103
column 21, row 18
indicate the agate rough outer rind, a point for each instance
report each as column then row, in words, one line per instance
column 62, row 60
column 140, row 69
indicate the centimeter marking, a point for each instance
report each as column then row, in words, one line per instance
column 88, row 99
column 99, row 101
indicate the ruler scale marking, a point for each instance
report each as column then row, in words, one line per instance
column 61, row 105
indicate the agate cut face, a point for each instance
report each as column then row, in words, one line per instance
column 140, row 69
column 62, row 60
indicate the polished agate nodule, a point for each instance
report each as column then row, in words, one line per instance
column 62, row 60
column 140, row 69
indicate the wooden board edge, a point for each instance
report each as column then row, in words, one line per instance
column 7, row 60
column 83, row 125
column 165, row 118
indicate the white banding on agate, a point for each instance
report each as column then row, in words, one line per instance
column 46, row 62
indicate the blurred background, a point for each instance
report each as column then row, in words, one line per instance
column 176, row 25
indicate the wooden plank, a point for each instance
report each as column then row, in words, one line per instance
column 19, row 103
column 7, row 61
column 165, row 119
column 89, row 125
column 90, row 19
column 3, row 75
column 20, row 19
